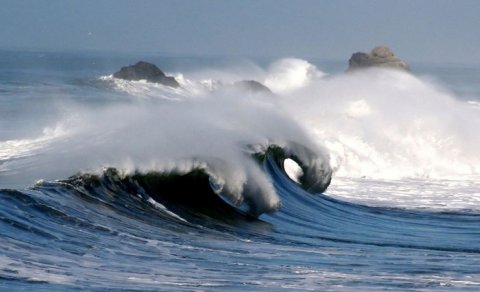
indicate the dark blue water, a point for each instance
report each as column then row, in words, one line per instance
column 96, row 232
column 111, row 231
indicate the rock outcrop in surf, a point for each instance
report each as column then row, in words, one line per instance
column 151, row 73
column 380, row 56
column 248, row 87
column 145, row 71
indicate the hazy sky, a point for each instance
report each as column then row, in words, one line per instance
column 421, row 30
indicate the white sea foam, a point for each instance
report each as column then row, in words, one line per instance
column 12, row 150
column 417, row 193
column 378, row 124
column 143, row 89
column 293, row 170
column 287, row 75
column 164, row 209
column 213, row 132
column 389, row 124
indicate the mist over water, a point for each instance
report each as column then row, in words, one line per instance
column 376, row 123
column 115, row 184
column 164, row 130
column 390, row 124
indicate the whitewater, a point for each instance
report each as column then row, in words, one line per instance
column 335, row 180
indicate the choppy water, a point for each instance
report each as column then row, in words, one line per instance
column 111, row 184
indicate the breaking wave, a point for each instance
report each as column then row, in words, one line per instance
column 128, row 185
column 376, row 124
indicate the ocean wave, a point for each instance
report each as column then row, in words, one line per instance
column 202, row 187
column 381, row 123
column 374, row 124
column 60, row 234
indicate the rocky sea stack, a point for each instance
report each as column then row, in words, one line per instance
column 252, row 87
column 380, row 56
column 146, row 71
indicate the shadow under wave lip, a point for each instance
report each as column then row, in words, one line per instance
column 188, row 196
column 190, row 192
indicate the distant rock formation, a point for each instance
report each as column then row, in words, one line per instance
column 146, row 71
column 251, row 86
column 379, row 57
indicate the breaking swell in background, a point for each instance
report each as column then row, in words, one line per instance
column 108, row 183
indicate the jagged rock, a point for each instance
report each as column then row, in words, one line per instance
column 146, row 71
column 252, row 86
column 380, row 56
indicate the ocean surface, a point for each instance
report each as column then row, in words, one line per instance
column 334, row 181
